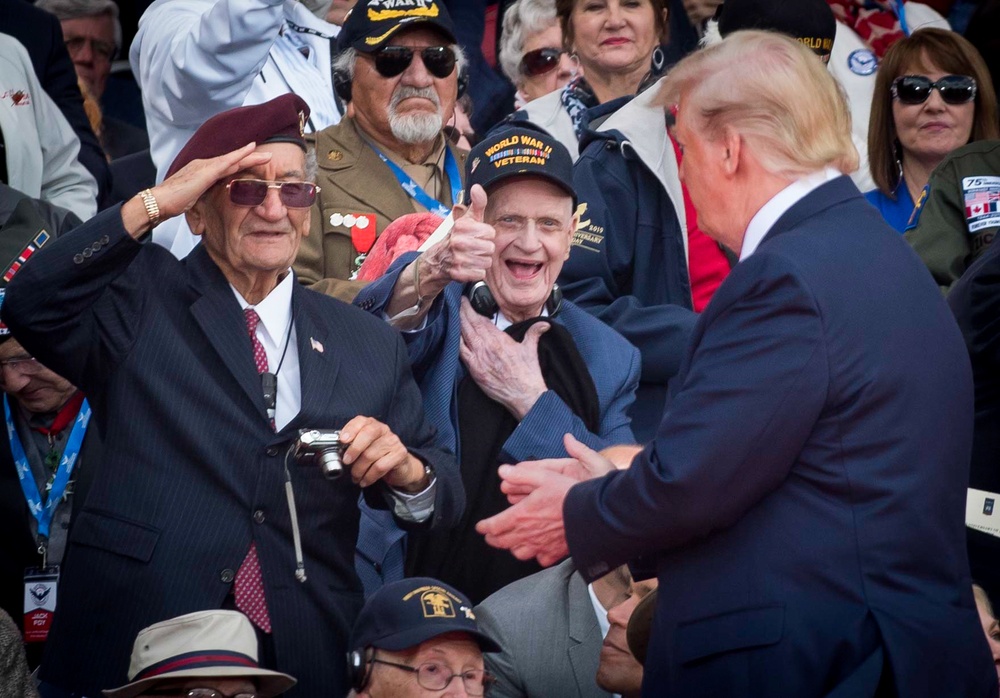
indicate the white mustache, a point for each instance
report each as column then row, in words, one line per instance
column 406, row 91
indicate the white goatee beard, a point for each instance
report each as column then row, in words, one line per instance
column 416, row 127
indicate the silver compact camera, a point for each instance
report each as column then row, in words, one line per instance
column 322, row 447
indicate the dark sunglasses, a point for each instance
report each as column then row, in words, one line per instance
column 540, row 61
column 916, row 89
column 391, row 61
column 252, row 192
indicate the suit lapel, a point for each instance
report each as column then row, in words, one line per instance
column 318, row 362
column 217, row 313
column 585, row 636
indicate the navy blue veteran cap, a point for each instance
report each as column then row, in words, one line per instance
column 403, row 614
column 371, row 23
column 518, row 151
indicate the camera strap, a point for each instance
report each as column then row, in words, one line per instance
column 269, row 381
column 300, row 565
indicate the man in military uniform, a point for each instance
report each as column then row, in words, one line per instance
column 399, row 68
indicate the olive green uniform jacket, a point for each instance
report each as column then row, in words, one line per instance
column 947, row 230
column 353, row 181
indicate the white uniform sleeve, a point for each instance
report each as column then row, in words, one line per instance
column 196, row 58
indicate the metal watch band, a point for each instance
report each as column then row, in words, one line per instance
column 152, row 208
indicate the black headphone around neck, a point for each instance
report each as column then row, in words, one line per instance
column 342, row 83
column 359, row 668
column 483, row 302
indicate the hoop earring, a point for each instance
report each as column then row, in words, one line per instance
column 659, row 60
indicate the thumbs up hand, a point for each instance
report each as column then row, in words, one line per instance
column 467, row 252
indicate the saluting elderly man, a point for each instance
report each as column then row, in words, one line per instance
column 803, row 501
column 201, row 373
column 399, row 66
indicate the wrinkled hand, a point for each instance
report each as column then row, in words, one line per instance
column 534, row 527
column 505, row 369
column 179, row 193
column 467, row 251
column 584, row 463
column 375, row 453
column 699, row 11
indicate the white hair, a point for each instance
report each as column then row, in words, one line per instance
column 346, row 60
column 522, row 19
column 408, row 128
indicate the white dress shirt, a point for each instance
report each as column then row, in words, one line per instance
column 602, row 617
column 776, row 207
column 277, row 334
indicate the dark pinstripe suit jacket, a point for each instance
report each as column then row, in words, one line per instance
column 195, row 474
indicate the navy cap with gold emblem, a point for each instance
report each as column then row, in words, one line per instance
column 519, row 151
column 372, row 23
column 281, row 120
column 403, row 614
column 809, row 21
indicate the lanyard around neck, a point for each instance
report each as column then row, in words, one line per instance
column 416, row 192
column 43, row 513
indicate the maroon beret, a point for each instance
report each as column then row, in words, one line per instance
column 282, row 120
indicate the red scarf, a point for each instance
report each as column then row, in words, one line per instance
column 875, row 21
column 67, row 413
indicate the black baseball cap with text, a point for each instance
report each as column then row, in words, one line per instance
column 809, row 21
column 518, row 151
column 371, row 23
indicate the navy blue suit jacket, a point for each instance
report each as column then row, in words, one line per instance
column 614, row 365
column 804, row 497
column 975, row 300
column 193, row 472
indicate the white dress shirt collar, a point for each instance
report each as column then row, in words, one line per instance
column 275, row 311
column 779, row 204
column 503, row 323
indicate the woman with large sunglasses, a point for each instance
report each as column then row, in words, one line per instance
column 617, row 44
column 532, row 53
column 933, row 94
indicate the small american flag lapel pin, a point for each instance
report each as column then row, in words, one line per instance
column 317, row 346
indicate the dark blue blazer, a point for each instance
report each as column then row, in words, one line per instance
column 975, row 300
column 192, row 472
column 612, row 361
column 804, row 498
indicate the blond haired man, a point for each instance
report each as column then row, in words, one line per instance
column 803, row 500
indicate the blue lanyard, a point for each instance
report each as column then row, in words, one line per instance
column 43, row 513
column 417, row 193
column 897, row 5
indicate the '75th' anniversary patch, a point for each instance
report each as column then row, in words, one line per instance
column 982, row 202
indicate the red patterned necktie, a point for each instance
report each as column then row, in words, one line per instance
column 248, row 587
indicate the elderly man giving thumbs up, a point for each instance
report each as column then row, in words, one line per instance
column 505, row 365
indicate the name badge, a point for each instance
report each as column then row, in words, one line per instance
column 39, row 601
